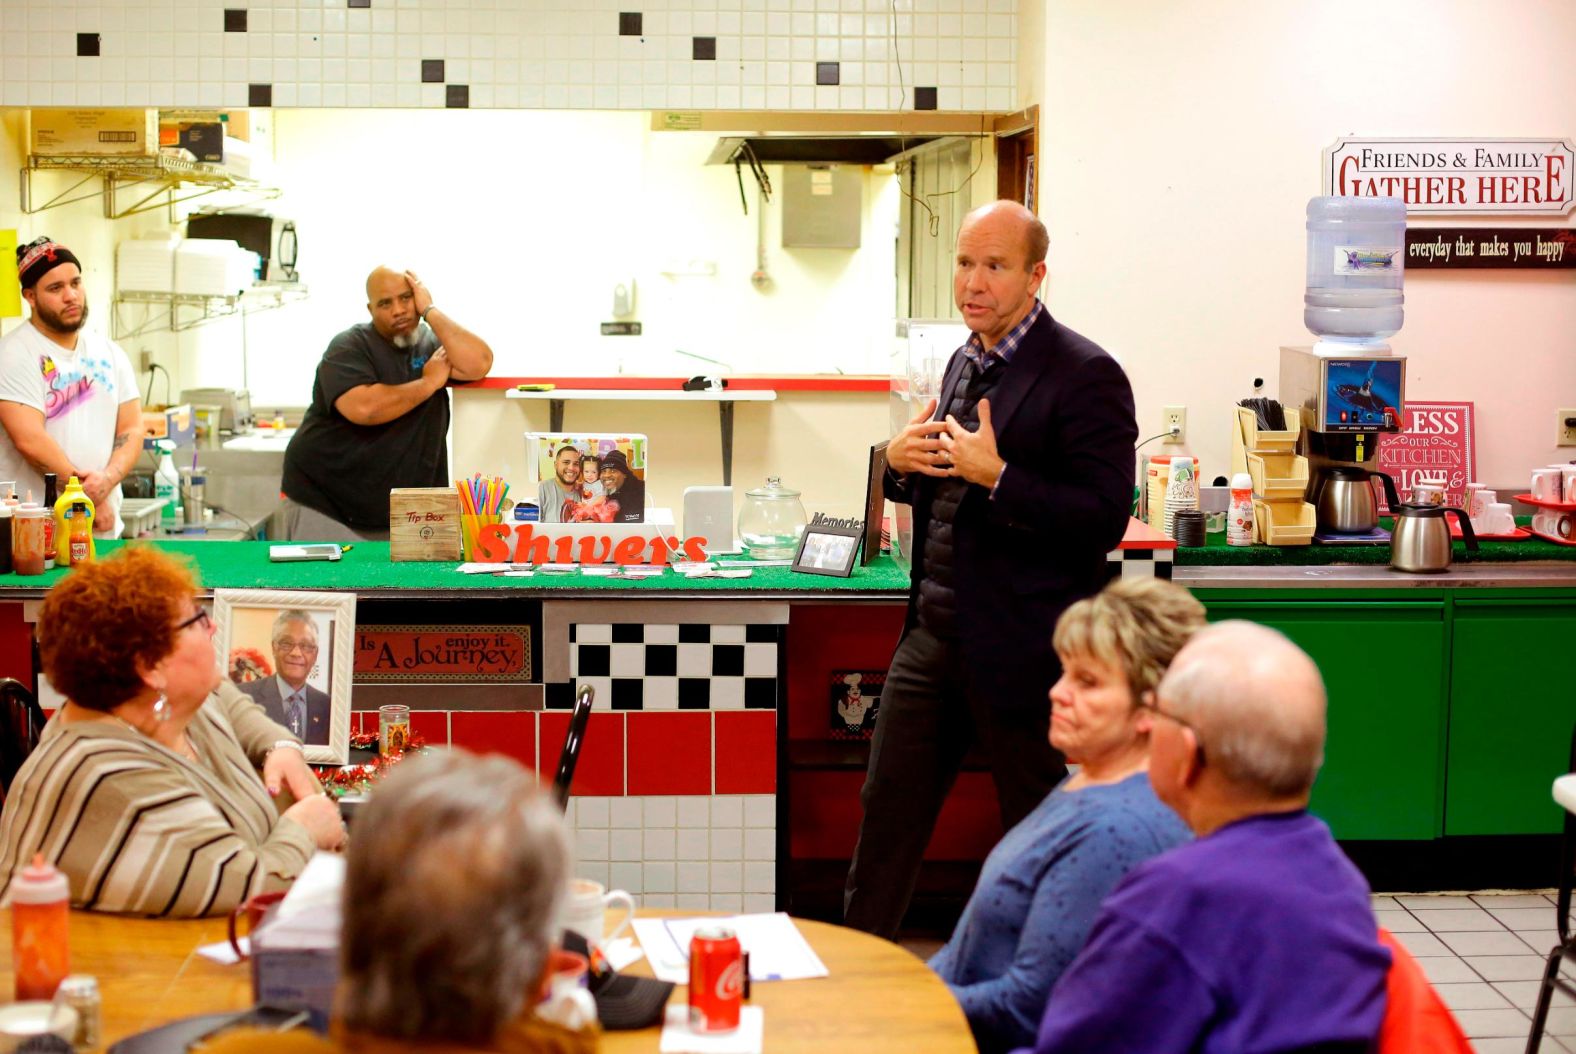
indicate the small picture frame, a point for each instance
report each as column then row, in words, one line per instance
column 292, row 652
column 828, row 550
column 855, row 699
column 875, row 502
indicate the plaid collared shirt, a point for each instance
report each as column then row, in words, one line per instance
column 974, row 348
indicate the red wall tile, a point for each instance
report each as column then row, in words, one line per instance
column 670, row 753
column 600, row 768
column 432, row 725
column 495, row 732
column 16, row 645
column 746, row 752
column 823, row 638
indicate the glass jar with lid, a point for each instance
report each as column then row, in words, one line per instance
column 771, row 521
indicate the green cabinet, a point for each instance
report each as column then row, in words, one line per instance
column 1384, row 667
column 1511, row 711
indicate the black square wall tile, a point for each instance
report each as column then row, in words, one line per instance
column 572, row 632
column 87, row 45
column 760, row 633
column 360, row 3
column 727, row 660
column 259, row 95
column 628, row 693
column 432, row 71
column 760, row 693
column 827, row 73
column 662, row 660
column 595, row 660
column 694, row 633
column 694, row 693
column 704, row 48
column 559, row 695
column 630, row 23
column 235, row 20
column 629, row 633
column 924, row 98
column 457, row 96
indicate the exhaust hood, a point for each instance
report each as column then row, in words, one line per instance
column 814, row 149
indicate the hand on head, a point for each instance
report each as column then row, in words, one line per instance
column 422, row 293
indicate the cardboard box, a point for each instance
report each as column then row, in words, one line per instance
column 201, row 133
column 237, row 124
column 114, row 132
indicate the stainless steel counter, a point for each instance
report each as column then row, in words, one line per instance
column 1546, row 574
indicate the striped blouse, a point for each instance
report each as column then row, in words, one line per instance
column 140, row 829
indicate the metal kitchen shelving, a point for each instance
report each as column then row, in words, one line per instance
column 209, row 308
column 157, row 175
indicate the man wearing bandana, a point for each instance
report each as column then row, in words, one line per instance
column 68, row 396
column 379, row 414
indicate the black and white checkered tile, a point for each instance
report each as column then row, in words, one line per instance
column 683, row 666
column 1140, row 563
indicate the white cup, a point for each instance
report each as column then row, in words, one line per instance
column 1496, row 519
column 585, row 910
column 1547, row 484
column 1568, row 482
column 1479, row 498
column 1555, row 524
column 1428, row 494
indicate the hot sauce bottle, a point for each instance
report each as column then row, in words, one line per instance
column 40, row 917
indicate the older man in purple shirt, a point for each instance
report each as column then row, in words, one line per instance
column 1258, row 937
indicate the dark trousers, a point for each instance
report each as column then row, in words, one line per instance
column 926, row 723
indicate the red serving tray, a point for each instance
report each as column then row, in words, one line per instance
column 1556, row 539
column 1561, row 506
column 1518, row 535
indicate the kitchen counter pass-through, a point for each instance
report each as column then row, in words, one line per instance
column 711, row 777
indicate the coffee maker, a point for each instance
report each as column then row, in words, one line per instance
column 1346, row 397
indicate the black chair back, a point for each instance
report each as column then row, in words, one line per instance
column 570, row 754
column 21, row 723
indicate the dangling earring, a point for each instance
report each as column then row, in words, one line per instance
column 161, row 709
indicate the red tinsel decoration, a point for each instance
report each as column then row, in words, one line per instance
column 355, row 779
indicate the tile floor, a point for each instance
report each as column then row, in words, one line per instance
column 1484, row 954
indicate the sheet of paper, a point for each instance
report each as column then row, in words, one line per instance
column 620, row 953
column 223, row 954
column 754, row 563
column 482, row 569
column 678, row 1038
column 778, row 951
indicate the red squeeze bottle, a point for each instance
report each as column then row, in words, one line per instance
column 40, row 920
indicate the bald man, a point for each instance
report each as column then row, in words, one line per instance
column 1020, row 478
column 379, row 413
column 1259, row 934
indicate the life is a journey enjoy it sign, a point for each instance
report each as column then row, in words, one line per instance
column 1518, row 176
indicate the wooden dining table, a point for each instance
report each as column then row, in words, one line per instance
column 877, row 997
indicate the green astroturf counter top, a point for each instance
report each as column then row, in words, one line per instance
column 1216, row 553
column 368, row 569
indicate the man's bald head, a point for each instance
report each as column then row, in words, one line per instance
column 380, row 279
column 1257, row 703
column 1035, row 239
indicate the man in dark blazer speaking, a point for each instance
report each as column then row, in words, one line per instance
column 286, row 697
column 1020, row 477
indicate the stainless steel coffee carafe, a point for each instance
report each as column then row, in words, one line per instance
column 1420, row 539
column 1346, row 499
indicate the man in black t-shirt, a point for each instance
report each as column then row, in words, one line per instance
column 379, row 413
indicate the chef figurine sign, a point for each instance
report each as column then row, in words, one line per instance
column 856, row 695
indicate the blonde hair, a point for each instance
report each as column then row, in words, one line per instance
column 1136, row 625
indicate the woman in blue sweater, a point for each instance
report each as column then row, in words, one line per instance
column 1043, row 883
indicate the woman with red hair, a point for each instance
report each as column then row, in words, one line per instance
column 153, row 787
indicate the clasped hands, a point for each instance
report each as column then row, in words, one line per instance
column 945, row 448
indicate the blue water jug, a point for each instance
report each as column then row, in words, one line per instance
column 1356, row 260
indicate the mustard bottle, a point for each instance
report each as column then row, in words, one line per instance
column 72, row 495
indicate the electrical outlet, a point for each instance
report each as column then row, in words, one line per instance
column 145, row 358
column 1567, row 428
column 1173, row 422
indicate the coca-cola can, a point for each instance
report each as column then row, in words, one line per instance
column 716, row 980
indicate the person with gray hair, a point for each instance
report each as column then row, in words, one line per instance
column 1259, row 935
column 453, row 886
column 286, row 697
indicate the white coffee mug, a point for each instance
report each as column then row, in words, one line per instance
column 1479, row 498
column 1555, row 524
column 1497, row 519
column 1428, row 494
column 1546, row 484
column 1568, row 482
column 585, row 910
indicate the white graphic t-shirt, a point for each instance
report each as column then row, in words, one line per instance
column 79, row 394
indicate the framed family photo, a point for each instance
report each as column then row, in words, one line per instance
column 293, row 652
column 827, row 550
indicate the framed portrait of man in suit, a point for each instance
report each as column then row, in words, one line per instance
column 292, row 653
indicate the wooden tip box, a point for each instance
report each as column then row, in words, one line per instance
column 424, row 523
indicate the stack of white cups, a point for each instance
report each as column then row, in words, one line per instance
column 1488, row 514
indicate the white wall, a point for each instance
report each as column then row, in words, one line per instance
column 1180, row 144
column 521, row 224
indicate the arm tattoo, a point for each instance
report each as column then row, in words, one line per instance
column 121, row 439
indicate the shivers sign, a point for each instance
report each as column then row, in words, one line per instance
column 537, row 544
column 1531, row 176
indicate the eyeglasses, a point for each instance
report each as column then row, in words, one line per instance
column 305, row 647
column 201, row 616
column 1184, row 722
